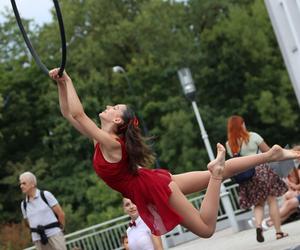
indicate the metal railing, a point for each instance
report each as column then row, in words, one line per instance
column 107, row 235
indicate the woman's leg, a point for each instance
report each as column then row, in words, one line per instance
column 259, row 214
column 192, row 182
column 275, row 216
column 288, row 208
column 198, row 180
column 202, row 222
column 290, row 194
column 274, row 213
column 240, row 164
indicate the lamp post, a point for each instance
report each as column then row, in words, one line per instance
column 119, row 69
column 189, row 90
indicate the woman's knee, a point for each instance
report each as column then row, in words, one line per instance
column 209, row 233
column 289, row 195
column 206, row 231
column 292, row 203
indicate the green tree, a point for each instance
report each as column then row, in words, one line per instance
column 229, row 46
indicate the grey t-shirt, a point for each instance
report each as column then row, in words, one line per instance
column 249, row 148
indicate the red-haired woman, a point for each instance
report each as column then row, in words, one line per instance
column 265, row 185
column 121, row 159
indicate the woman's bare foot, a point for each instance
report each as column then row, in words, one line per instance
column 216, row 167
column 277, row 153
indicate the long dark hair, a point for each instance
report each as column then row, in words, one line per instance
column 139, row 153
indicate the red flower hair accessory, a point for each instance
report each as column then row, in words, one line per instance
column 135, row 122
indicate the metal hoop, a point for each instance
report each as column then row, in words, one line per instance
column 30, row 47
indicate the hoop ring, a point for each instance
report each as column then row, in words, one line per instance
column 29, row 45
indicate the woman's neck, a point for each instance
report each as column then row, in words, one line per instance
column 107, row 127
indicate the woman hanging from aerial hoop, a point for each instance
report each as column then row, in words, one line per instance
column 121, row 157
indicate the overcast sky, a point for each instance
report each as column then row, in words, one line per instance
column 38, row 10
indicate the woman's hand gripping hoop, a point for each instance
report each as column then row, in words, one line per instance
column 30, row 47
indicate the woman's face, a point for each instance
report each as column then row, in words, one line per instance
column 113, row 113
column 130, row 208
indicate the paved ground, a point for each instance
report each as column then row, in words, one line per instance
column 246, row 240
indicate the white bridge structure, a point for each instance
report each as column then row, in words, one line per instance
column 285, row 18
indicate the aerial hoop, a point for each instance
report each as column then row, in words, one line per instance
column 29, row 45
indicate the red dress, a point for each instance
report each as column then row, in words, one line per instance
column 148, row 190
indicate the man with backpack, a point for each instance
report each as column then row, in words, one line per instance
column 43, row 215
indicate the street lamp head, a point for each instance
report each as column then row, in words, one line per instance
column 187, row 83
column 118, row 69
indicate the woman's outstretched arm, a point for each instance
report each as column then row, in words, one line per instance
column 73, row 109
column 64, row 106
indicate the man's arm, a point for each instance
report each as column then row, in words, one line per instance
column 60, row 215
column 157, row 243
